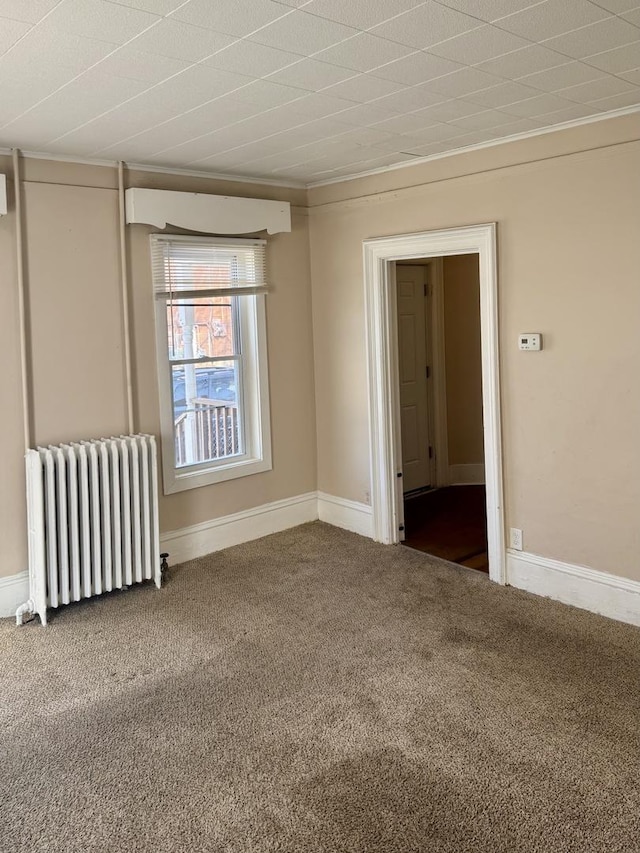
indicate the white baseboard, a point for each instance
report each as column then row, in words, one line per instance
column 201, row 539
column 466, row 475
column 610, row 595
column 350, row 515
column 14, row 590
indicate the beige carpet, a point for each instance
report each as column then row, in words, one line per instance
column 315, row 692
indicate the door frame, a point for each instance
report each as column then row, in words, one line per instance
column 380, row 255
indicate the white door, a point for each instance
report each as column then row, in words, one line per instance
column 411, row 286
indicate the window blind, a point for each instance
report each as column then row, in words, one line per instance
column 186, row 267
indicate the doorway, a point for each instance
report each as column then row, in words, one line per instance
column 440, row 383
column 387, row 492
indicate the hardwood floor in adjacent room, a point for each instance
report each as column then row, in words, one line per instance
column 450, row 523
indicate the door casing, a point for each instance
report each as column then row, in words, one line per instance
column 383, row 388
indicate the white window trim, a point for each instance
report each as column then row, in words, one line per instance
column 255, row 398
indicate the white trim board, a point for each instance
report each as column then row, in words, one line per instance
column 14, row 590
column 609, row 595
column 379, row 257
column 466, row 475
column 350, row 515
column 202, row 539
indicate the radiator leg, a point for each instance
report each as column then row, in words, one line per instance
column 164, row 568
column 28, row 607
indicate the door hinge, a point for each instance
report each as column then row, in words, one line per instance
column 428, row 369
column 399, row 474
column 430, row 452
column 401, row 527
column 426, row 289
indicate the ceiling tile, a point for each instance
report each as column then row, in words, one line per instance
column 282, row 87
column 100, row 20
column 237, row 18
column 242, row 55
column 363, row 88
column 416, row 68
column 605, row 35
column 426, row 25
column 409, row 122
column 267, row 94
column 160, row 7
column 364, row 115
column 478, row 45
column 605, row 87
column 462, row 82
column 619, row 59
column 521, row 125
column 617, row 6
column 138, row 65
column 572, row 113
column 364, row 52
column 317, row 104
column 23, row 91
column 30, row 11
column 488, row 10
column 483, row 121
column 196, row 85
column 504, row 93
column 45, row 46
column 361, row 14
column 72, row 106
column 434, row 133
column 180, row 41
column 552, row 18
column 370, row 136
column 536, row 106
column 11, row 31
column 294, row 4
column 561, row 76
column 302, row 33
column 311, row 74
column 524, row 61
column 633, row 16
column 186, row 127
column 618, row 102
column 450, row 110
column 410, row 99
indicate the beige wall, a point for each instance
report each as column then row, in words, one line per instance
column 463, row 367
column 568, row 261
column 71, row 232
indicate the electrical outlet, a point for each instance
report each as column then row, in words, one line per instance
column 515, row 536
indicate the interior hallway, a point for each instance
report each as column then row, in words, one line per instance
column 450, row 523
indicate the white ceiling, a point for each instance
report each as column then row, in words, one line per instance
column 304, row 90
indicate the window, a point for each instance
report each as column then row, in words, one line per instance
column 212, row 358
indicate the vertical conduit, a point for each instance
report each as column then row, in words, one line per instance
column 22, row 314
column 124, row 281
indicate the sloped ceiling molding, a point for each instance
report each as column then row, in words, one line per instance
column 211, row 214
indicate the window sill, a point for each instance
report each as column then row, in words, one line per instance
column 178, row 480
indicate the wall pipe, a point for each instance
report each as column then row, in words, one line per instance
column 22, row 313
column 124, row 281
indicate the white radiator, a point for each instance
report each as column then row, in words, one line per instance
column 92, row 511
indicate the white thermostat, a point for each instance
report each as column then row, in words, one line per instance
column 530, row 341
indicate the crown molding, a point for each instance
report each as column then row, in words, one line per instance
column 301, row 185
column 161, row 170
column 478, row 146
